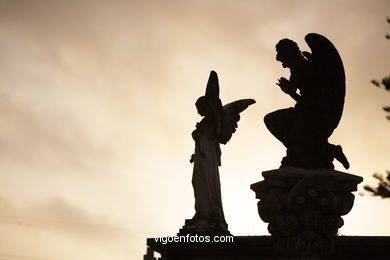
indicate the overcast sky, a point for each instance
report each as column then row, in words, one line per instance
column 97, row 109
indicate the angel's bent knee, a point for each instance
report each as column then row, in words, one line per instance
column 269, row 120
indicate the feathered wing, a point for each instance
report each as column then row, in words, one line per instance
column 230, row 117
column 330, row 71
column 212, row 88
column 210, row 100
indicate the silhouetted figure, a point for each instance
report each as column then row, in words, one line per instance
column 217, row 126
column 304, row 129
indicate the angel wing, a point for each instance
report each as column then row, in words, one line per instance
column 210, row 104
column 212, row 88
column 330, row 71
column 230, row 117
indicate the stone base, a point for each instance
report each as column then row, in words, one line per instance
column 261, row 248
column 204, row 227
column 304, row 207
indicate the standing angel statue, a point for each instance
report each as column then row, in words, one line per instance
column 217, row 126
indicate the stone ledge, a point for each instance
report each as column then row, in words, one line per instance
column 261, row 248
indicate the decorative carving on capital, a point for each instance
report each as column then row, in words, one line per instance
column 303, row 208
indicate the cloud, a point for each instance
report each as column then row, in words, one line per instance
column 97, row 104
column 57, row 214
column 56, row 228
column 43, row 138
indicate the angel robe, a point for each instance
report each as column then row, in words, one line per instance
column 205, row 177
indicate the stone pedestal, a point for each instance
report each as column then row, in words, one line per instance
column 303, row 208
column 149, row 254
column 261, row 248
column 204, row 227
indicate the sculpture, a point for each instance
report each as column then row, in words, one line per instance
column 217, row 126
column 304, row 129
column 303, row 202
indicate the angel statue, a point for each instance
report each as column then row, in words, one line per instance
column 217, row 126
column 305, row 128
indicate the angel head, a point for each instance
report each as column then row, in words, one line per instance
column 208, row 107
column 225, row 117
column 201, row 106
column 287, row 51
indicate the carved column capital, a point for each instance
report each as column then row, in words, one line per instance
column 303, row 208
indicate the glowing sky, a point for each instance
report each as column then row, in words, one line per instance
column 97, row 109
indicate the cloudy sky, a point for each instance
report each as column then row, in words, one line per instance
column 97, row 109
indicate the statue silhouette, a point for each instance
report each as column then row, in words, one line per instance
column 305, row 128
column 217, row 127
